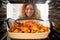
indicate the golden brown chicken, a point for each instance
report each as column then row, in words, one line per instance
column 28, row 27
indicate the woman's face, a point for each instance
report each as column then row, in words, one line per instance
column 29, row 10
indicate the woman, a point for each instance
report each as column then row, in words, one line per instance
column 30, row 11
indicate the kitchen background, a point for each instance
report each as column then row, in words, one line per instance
column 54, row 14
column 14, row 10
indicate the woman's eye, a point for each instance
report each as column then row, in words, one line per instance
column 29, row 9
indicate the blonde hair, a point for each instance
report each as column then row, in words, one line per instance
column 36, row 11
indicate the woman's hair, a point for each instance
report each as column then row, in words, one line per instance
column 36, row 13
